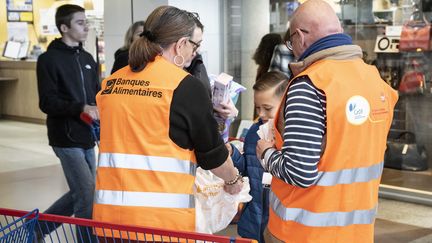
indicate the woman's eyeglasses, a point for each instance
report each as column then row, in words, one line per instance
column 289, row 43
column 195, row 45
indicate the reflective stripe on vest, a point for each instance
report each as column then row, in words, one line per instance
column 145, row 199
column 329, row 219
column 142, row 162
column 348, row 176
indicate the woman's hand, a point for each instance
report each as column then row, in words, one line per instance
column 235, row 188
column 227, row 110
column 229, row 147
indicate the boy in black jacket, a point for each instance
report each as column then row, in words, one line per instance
column 67, row 84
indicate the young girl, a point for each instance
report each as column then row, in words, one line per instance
column 268, row 91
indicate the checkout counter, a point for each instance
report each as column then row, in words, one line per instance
column 19, row 98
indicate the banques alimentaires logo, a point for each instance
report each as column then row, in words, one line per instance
column 130, row 87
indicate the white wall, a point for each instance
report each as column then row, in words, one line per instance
column 118, row 17
column 143, row 8
column 255, row 24
column 209, row 13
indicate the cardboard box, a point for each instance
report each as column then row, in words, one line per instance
column 221, row 93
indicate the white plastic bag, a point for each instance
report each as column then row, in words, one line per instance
column 265, row 131
column 216, row 208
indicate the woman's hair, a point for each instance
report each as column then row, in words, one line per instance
column 197, row 21
column 270, row 80
column 130, row 34
column 264, row 52
column 164, row 26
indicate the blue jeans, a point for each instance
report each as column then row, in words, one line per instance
column 79, row 168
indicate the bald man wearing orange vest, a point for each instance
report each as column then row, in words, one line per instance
column 330, row 137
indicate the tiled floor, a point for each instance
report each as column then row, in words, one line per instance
column 31, row 177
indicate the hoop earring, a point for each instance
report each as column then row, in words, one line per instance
column 182, row 60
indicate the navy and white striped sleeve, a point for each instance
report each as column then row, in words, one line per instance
column 305, row 125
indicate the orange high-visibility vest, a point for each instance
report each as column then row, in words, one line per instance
column 143, row 177
column 341, row 206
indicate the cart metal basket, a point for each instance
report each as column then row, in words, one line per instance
column 18, row 230
column 68, row 229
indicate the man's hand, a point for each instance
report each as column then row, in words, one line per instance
column 262, row 145
column 92, row 111
column 226, row 110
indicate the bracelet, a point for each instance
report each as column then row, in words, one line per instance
column 264, row 152
column 234, row 181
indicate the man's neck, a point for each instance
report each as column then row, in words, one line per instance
column 68, row 41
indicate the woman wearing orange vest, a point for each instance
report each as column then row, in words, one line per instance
column 327, row 157
column 156, row 128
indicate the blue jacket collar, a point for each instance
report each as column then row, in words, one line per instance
column 327, row 42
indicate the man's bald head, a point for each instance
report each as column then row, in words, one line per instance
column 318, row 18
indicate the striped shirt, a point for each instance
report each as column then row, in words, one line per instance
column 305, row 125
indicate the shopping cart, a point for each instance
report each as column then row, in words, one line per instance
column 68, row 229
column 19, row 230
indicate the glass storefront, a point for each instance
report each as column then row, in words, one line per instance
column 380, row 27
column 376, row 26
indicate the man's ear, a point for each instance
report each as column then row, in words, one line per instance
column 64, row 28
column 302, row 37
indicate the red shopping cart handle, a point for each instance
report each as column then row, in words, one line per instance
column 128, row 228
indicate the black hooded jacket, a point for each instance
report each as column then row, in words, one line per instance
column 198, row 70
column 121, row 59
column 67, row 80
